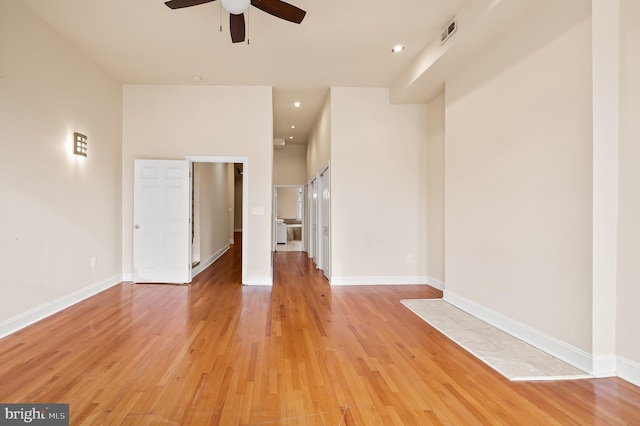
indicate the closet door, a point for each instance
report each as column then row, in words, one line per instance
column 325, row 213
column 313, row 220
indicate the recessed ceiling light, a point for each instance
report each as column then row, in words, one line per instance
column 293, row 126
column 397, row 48
column 290, row 137
column 197, row 78
column 297, row 104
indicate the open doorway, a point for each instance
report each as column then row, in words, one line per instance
column 288, row 217
column 220, row 188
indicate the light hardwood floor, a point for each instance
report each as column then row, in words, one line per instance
column 300, row 353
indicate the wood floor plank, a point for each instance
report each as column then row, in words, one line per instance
column 299, row 353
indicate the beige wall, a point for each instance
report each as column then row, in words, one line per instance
column 289, row 165
column 231, row 204
column 628, row 294
column 435, row 191
column 518, row 176
column 319, row 143
column 57, row 210
column 379, row 187
column 214, row 208
column 289, row 168
column 166, row 122
column 237, row 202
column 287, row 203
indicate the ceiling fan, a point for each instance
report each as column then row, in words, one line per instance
column 236, row 9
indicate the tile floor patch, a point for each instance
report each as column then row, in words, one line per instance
column 508, row 355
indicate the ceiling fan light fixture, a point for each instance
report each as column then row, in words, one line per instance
column 397, row 48
column 236, row 7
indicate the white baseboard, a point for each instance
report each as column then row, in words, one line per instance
column 604, row 366
column 628, row 370
column 570, row 354
column 41, row 312
column 256, row 280
column 396, row 280
column 127, row 276
column 204, row 265
column 435, row 283
column 232, row 241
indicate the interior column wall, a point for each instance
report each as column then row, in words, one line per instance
column 628, row 294
column 378, row 189
column 435, row 191
column 518, row 170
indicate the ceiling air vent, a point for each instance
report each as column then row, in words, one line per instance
column 448, row 31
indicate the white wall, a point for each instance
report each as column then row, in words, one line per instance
column 57, row 210
column 319, row 143
column 165, row 122
column 628, row 294
column 379, row 187
column 518, row 175
column 435, row 191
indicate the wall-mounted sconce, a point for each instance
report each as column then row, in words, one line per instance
column 79, row 144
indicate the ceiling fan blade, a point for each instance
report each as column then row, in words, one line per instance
column 236, row 27
column 280, row 9
column 179, row 4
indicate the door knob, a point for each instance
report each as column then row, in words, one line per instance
column 137, row 226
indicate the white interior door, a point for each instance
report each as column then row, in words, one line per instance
column 162, row 221
column 325, row 201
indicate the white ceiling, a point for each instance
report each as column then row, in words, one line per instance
column 339, row 43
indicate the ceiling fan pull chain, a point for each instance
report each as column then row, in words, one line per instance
column 248, row 26
column 220, row 14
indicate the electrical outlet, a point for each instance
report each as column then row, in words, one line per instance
column 409, row 258
column 94, row 262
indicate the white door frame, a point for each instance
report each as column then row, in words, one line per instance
column 324, row 211
column 245, row 198
column 316, row 240
column 313, row 219
column 275, row 213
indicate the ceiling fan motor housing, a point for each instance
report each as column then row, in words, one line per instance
column 236, row 7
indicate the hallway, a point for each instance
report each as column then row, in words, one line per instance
column 300, row 353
